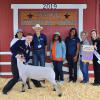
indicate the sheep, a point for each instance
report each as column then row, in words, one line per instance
column 37, row 73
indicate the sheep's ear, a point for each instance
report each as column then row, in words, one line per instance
column 17, row 56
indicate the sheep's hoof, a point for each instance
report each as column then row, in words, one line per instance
column 39, row 86
column 54, row 89
column 23, row 91
column 60, row 95
column 29, row 88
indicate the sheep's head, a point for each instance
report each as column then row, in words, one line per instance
column 20, row 57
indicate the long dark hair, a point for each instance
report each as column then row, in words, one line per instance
column 59, row 38
column 95, row 32
column 16, row 36
column 76, row 34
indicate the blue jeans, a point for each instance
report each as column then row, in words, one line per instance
column 84, row 69
column 39, row 57
column 58, row 70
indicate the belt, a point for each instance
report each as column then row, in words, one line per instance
column 37, row 49
column 80, row 55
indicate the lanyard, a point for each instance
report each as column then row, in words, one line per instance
column 39, row 39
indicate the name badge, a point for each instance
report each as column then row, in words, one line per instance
column 27, row 51
column 39, row 46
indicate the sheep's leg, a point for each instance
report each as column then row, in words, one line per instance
column 58, row 90
column 55, row 86
column 54, row 83
column 54, row 89
column 24, row 78
column 28, row 84
column 23, row 87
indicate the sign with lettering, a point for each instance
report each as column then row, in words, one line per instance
column 49, row 6
column 87, row 53
column 50, row 17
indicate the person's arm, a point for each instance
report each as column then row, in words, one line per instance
column 64, row 50
column 26, row 51
column 78, row 49
column 66, row 44
column 14, row 47
column 45, row 42
column 46, row 48
column 32, row 43
column 77, row 52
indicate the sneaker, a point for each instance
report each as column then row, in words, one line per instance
column 81, row 81
column 5, row 93
column 61, row 82
column 70, row 80
column 96, row 84
column 84, row 81
column 57, row 81
column 74, row 80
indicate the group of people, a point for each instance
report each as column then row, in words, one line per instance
column 60, row 50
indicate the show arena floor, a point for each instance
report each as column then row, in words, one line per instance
column 71, row 91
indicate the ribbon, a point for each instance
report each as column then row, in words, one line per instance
column 97, row 55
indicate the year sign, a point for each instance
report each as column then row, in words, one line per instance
column 49, row 6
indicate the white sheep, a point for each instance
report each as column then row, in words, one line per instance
column 37, row 73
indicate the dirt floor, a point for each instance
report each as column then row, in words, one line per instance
column 71, row 91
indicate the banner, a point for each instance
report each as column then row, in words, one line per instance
column 55, row 17
column 87, row 53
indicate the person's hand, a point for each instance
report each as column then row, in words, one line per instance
column 64, row 60
column 46, row 53
column 75, row 59
column 95, row 47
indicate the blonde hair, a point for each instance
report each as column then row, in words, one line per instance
column 85, row 33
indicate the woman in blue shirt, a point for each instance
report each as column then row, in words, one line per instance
column 72, row 51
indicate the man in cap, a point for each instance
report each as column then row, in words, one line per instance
column 39, row 46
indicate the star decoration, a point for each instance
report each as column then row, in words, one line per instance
column 67, row 15
column 30, row 16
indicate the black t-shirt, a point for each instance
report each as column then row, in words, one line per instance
column 97, row 42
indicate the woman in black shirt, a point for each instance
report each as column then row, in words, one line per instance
column 96, row 65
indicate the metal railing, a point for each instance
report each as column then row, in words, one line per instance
column 65, row 69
